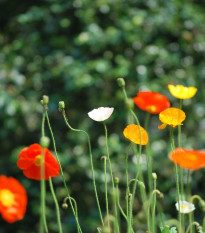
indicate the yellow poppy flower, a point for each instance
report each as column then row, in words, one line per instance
column 172, row 117
column 132, row 132
column 181, row 92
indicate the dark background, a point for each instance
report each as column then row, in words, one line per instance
column 74, row 51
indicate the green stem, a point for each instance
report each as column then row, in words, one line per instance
column 112, row 179
column 190, row 226
column 190, row 223
column 181, row 169
column 75, row 204
column 57, row 207
column 140, row 151
column 91, row 162
column 127, row 176
column 43, row 187
column 62, row 174
column 130, row 213
column 177, row 179
column 153, row 208
column 118, row 202
column 148, row 155
column 129, row 195
column 106, row 195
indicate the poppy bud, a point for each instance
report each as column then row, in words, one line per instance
column 45, row 100
column 61, row 105
column 44, row 142
column 65, row 206
column 141, row 184
column 121, row 82
column 117, row 180
column 154, row 176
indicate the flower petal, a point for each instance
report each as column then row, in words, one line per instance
column 100, row 114
column 132, row 132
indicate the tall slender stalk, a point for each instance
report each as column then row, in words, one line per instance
column 62, row 174
column 148, row 155
column 56, row 204
column 143, row 192
column 127, row 177
column 91, row 162
column 177, row 179
column 153, row 209
column 43, row 188
column 112, row 179
column 106, row 194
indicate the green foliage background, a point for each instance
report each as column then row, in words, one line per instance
column 74, row 51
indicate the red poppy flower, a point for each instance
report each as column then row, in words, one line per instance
column 189, row 159
column 152, row 102
column 13, row 199
column 30, row 159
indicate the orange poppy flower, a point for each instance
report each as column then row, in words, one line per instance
column 189, row 159
column 152, row 102
column 132, row 132
column 13, row 199
column 172, row 117
column 30, row 162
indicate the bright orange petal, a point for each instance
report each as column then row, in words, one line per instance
column 189, row 159
column 27, row 163
column 17, row 210
column 152, row 102
column 132, row 132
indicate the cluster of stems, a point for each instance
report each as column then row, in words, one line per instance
column 115, row 212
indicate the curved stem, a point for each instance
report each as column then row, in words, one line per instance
column 112, row 179
column 62, row 174
column 143, row 192
column 91, row 162
column 190, row 226
column 75, row 204
column 118, row 202
column 43, row 187
column 57, row 206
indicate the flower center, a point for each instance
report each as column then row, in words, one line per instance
column 38, row 160
column 151, row 108
column 6, row 197
column 183, row 207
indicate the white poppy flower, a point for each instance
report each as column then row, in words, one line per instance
column 185, row 207
column 100, row 114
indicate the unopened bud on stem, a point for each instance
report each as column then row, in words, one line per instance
column 64, row 205
column 61, row 105
column 121, row 82
column 117, row 180
column 44, row 142
column 154, row 176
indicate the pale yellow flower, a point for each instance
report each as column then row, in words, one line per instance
column 181, row 92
